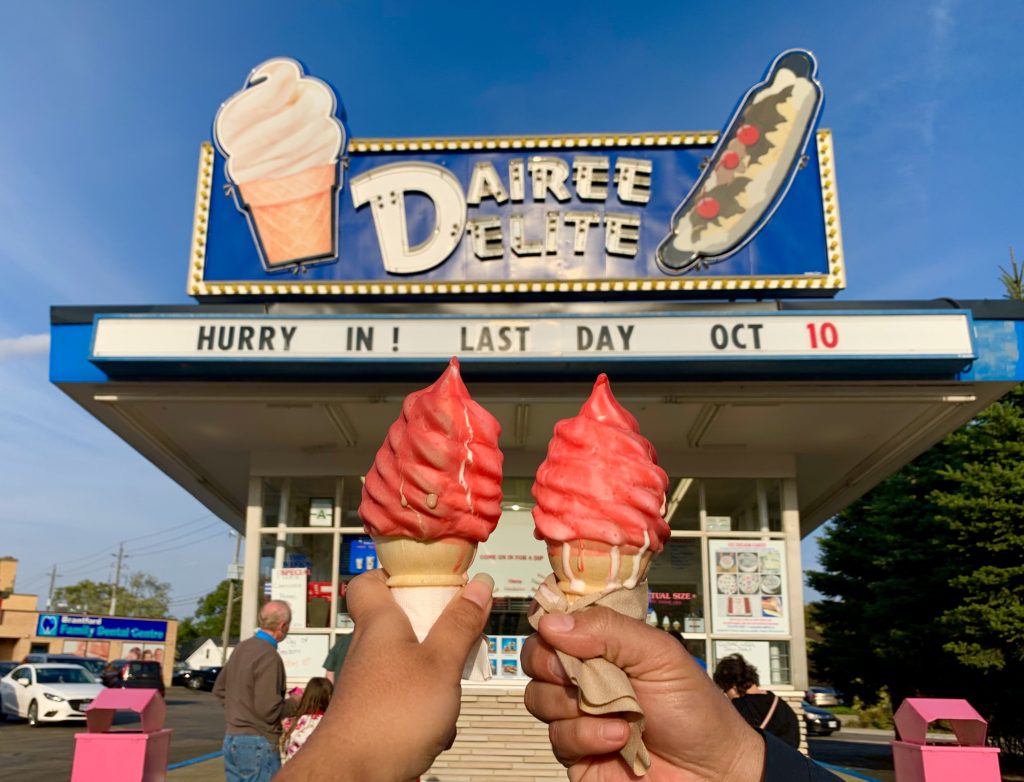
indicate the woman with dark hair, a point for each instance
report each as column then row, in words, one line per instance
column 762, row 709
column 296, row 729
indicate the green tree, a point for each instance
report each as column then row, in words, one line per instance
column 984, row 510
column 142, row 595
column 208, row 618
column 924, row 577
column 1012, row 279
column 886, row 577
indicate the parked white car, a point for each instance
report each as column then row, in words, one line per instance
column 47, row 692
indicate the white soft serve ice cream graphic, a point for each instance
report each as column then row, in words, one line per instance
column 282, row 142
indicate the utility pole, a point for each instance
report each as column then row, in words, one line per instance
column 231, row 603
column 117, row 580
column 53, row 582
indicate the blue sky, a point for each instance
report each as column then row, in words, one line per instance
column 107, row 103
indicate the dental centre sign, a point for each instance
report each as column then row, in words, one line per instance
column 100, row 628
column 289, row 206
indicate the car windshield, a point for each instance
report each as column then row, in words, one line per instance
column 64, row 676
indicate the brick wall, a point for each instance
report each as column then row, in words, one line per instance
column 498, row 741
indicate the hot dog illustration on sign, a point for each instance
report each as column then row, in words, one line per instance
column 282, row 140
column 750, row 169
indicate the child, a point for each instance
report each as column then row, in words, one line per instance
column 307, row 716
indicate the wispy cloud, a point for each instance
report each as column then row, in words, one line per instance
column 940, row 43
column 25, row 345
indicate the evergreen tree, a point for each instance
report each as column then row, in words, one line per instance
column 984, row 509
column 886, row 579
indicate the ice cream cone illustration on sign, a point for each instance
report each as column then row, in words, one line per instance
column 751, row 168
column 432, row 495
column 283, row 142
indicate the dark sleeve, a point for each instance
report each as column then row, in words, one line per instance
column 784, row 764
column 785, row 724
column 344, row 641
column 331, row 655
column 268, row 689
column 219, row 686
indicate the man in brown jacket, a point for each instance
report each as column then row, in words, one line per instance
column 251, row 688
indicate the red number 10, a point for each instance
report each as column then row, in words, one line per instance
column 824, row 335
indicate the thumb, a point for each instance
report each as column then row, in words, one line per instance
column 635, row 647
column 458, row 629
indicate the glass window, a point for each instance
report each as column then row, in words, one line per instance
column 314, row 553
column 697, row 647
column 682, row 506
column 770, row 658
column 676, row 586
column 69, row 675
column 741, row 505
column 779, row 655
column 300, row 502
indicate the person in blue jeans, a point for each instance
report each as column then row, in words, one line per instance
column 251, row 688
column 396, row 707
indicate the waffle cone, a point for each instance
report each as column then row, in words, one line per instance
column 583, row 567
column 294, row 215
column 412, row 563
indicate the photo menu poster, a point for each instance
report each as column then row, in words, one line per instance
column 748, row 594
column 503, row 655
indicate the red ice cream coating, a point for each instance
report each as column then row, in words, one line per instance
column 438, row 473
column 601, row 480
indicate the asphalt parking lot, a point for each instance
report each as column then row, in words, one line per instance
column 44, row 754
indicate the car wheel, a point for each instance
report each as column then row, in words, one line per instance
column 195, row 683
column 33, row 714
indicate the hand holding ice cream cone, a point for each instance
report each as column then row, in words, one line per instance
column 433, row 494
column 600, row 508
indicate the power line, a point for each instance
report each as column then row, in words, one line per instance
column 98, row 554
column 172, row 528
column 194, row 596
column 143, row 549
column 181, row 546
column 109, row 549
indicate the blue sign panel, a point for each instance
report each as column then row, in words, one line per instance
column 362, row 555
column 750, row 211
column 100, row 628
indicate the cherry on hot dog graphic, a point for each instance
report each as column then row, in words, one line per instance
column 751, row 168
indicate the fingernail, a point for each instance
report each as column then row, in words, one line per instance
column 479, row 590
column 559, row 623
column 613, row 731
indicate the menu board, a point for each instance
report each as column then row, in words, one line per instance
column 513, row 557
column 303, row 655
column 503, row 655
column 757, row 653
column 748, row 579
column 289, row 584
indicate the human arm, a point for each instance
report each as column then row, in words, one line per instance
column 397, row 701
column 692, row 731
column 219, row 685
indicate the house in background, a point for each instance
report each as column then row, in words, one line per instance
column 203, row 653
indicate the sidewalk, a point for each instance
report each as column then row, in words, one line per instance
column 213, row 771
